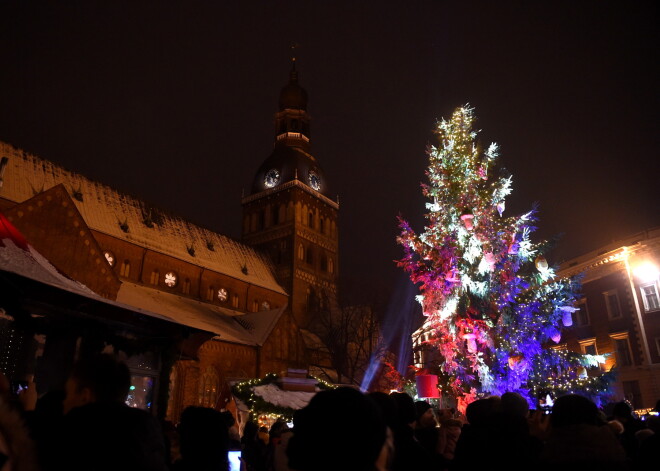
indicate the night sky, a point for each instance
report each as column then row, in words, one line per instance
column 173, row 102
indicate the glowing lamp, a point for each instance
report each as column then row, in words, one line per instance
column 646, row 272
column 500, row 207
column 427, row 386
column 471, row 342
column 541, row 263
column 467, row 219
column 567, row 315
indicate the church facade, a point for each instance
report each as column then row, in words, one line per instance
column 197, row 308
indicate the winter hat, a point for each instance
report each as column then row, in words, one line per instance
column 420, row 408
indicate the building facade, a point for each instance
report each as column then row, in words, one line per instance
column 619, row 313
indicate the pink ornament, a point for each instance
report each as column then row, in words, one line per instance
column 427, row 386
column 467, row 219
column 555, row 336
column 482, row 173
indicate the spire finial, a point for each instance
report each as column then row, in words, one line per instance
column 294, row 73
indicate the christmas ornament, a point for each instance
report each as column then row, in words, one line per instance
column 467, row 219
column 541, row 263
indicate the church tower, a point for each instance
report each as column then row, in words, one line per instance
column 289, row 213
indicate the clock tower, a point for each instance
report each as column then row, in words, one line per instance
column 289, row 213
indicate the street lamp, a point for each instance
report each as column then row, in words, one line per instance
column 642, row 272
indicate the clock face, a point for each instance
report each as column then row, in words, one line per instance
column 272, row 178
column 314, row 180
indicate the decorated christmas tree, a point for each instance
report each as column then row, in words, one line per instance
column 494, row 308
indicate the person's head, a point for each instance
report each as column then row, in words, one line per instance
column 387, row 406
column 481, row 411
column 573, row 409
column 425, row 415
column 622, row 411
column 203, row 434
column 99, row 378
column 514, row 404
column 406, row 408
column 339, row 429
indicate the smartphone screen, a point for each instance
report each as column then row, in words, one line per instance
column 234, row 460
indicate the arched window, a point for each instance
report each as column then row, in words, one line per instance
column 210, row 293
column 331, row 265
column 209, row 386
column 321, row 227
column 186, row 286
column 125, row 269
column 301, row 252
column 255, row 305
column 154, row 277
column 234, row 300
column 310, row 219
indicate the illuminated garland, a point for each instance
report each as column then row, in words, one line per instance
column 259, row 406
column 492, row 303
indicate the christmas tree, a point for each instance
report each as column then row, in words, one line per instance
column 493, row 306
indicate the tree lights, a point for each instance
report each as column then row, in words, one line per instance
column 491, row 301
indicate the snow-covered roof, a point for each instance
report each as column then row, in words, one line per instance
column 228, row 325
column 277, row 396
column 29, row 263
column 18, row 257
column 107, row 211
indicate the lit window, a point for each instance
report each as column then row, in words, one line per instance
column 209, row 293
column 171, row 279
column 154, row 277
column 650, row 297
column 331, row 266
column 222, row 294
column 612, row 303
column 125, row 268
column 301, row 252
column 209, row 386
column 110, row 257
column 186, row 286
column 255, row 305
column 234, row 300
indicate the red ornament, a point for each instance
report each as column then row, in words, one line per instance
column 427, row 386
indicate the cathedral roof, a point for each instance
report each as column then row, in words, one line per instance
column 127, row 218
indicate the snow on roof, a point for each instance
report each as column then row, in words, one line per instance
column 31, row 264
column 107, row 211
column 151, row 302
column 273, row 394
column 228, row 325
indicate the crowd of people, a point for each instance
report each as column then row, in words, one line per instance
column 89, row 427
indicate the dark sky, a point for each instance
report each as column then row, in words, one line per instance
column 173, row 102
